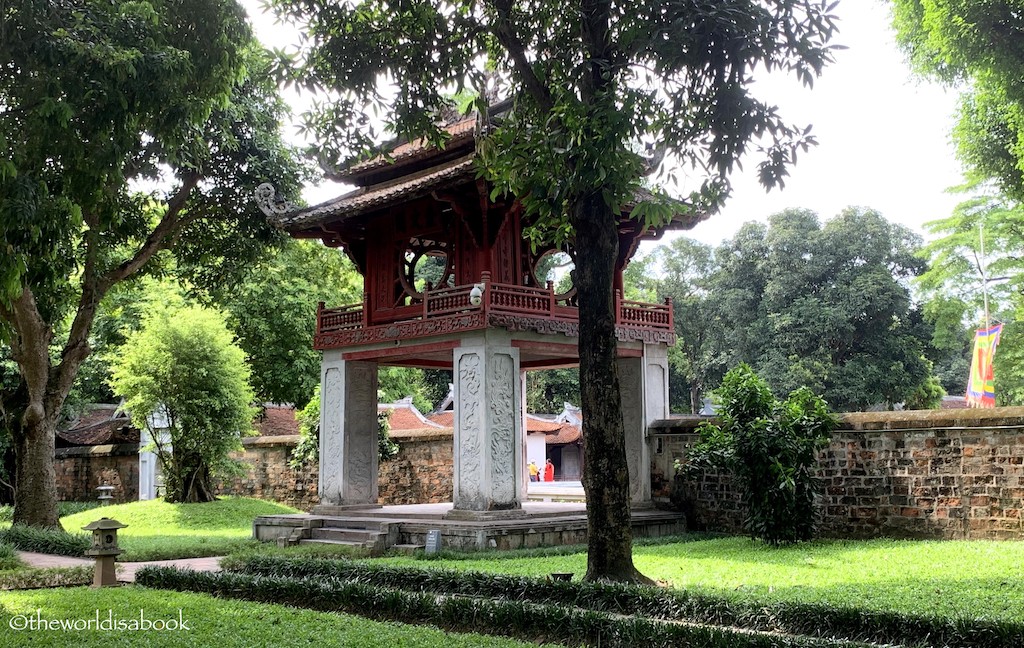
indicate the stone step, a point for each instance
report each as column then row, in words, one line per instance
column 348, row 534
column 346, row 543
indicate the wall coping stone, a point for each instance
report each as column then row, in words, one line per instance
column 270, row 441
column 906, row 420
column 107, row 450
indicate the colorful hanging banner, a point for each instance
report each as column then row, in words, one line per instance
column 981, row 391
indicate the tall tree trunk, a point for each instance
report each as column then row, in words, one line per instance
column 605, row 471
column 35, row 482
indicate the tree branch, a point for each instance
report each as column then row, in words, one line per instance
column 505, row 34
column 95, row 287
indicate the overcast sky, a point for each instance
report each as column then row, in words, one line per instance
column 883, row 134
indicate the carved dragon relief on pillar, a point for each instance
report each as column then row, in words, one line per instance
column 361, row 434
column 331, row 441
column 501, row 399
column 469, row 487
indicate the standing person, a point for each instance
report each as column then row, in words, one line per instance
column 534, row 472
column 549, row 471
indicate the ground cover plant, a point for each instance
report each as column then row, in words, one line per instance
column 158, row 530
column 950, row 579
column 501, row 615
column 797, row 618
column 212, row 622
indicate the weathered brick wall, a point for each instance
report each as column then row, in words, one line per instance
column 422, row 471
column 420, row 474
column 268, row 475
column 924, row 474
column 81, row 469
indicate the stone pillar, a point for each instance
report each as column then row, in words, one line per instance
column 488, row 429
column 348, row 433
column 644, row 385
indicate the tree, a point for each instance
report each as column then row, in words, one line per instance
column 99, row 99
column 186, row 382
column 824, row 307
column 272, row 312
column 954, row 282
column 591, row 82
column 981, row 43
column 687, row 267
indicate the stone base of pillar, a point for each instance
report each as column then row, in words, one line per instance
column 464, row 515
column 341, row 509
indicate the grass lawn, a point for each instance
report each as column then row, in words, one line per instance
column 212, row 622
column 976, row 579
column 158, row 530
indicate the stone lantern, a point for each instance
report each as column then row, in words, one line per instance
column 104, row 548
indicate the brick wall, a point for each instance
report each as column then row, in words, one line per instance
column 268, row 475
column 420, row 474
column 81, row 469
column 422, row 471
column 923, row 474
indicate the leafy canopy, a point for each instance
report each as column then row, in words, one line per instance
column 980, row 44
column 592, row 83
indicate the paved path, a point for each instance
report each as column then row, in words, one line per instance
column 125, row 570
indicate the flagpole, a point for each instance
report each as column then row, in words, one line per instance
column 984, row 273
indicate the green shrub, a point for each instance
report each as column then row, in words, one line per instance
column 49, row 577
column 567, row 624
column 771, row 449
column 815, row 619
column 8, row 557
column 50, row 541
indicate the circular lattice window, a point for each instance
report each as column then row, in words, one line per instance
column 426, row 265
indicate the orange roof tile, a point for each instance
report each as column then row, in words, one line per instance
column 445, row 419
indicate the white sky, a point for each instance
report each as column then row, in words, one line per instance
column 883, row 135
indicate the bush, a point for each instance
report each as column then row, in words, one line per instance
column 771, row 449
column 49, row 541
column 49, row 577
column 8, row 557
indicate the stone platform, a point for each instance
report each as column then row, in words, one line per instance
column 537, row 524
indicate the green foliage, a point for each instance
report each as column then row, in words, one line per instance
column 9, row 557
column 771, row 450
column 548, row 391
column 815, row 619
column 307, row 450
column 954, row 285
column 396, row 383
column 183, row 367
column 46, row 578
column 128, row 128
column 48, row 541
column 981, row 43
column 272, row 313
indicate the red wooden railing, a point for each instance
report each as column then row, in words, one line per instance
column 506, row 299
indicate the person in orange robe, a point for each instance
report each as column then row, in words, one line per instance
column 549, row 471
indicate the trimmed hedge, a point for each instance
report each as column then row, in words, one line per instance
column 674, row 605
column 498, row 617
column 48, row 541
column 48, row 577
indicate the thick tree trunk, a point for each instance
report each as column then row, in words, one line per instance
column 35, row 499
column 605, row 471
